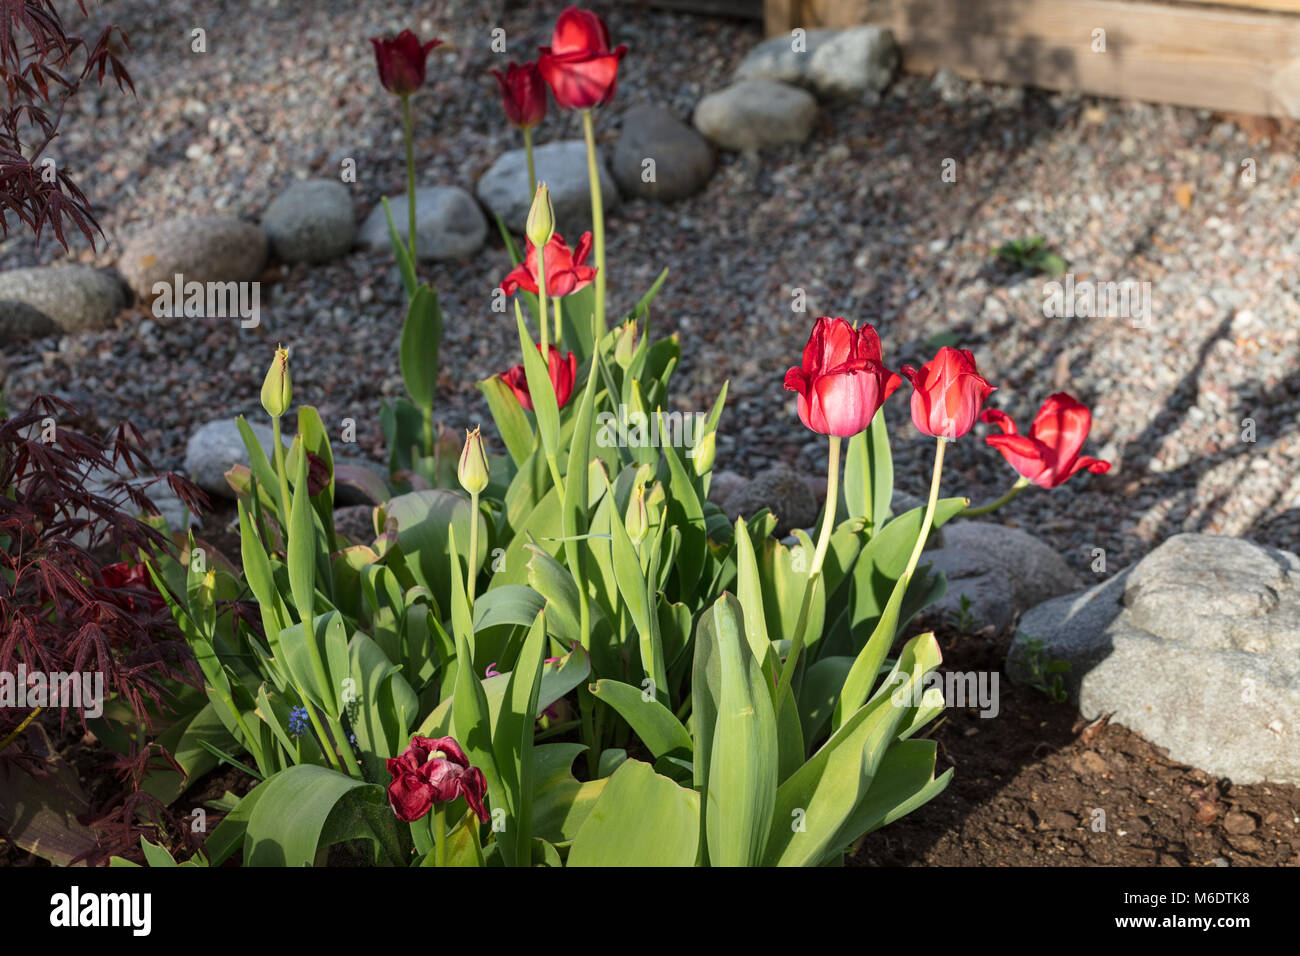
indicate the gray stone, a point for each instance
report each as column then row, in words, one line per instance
column 723, row 484
column 950, row 87
column 448, row 223
column 563, row 167
column 170, row 506
column 1196, row 648
column 216, row 447
column 756, row 114
column 18, row 320
column 783, row 491
column 198, row 248
column 1001, row 571
column 683, row 159
column 311, row 221
column 857, row 62
column 73, row 298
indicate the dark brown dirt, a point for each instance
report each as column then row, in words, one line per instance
column 1028, row 782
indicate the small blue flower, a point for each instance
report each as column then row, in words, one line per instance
column 298, row 721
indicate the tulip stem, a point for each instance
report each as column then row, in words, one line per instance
column 36, row 712
column 532, row 171
column 984, row 509
column 470, row 576
column 410, row 175
column 597, row 222
column 282, row 474
column 814, row 572
column 559, row 323
column 440, row 835
column 543, row 322
column 928, row 521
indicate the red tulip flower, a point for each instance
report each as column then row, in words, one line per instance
column 1049, row 454
column 566, row 272
column 562, row 371
column 947, row 393
column 842, row 383
column 433, row 770
column 579, row 66
column 401, row 61
column 523, row 94
column 127, row 578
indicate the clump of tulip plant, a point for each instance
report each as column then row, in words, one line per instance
column 576, row 658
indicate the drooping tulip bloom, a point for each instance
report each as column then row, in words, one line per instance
column 842, row 382
column 947, row 393
column 523, row 94
column 401, row 61
column 579, row 66
column 433, row 770
column 561, row 369
column 566, row 271
column 132, row 578
column 1049, row 454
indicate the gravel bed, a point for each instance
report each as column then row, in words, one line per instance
column 859, row 218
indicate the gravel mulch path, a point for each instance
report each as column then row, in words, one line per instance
column 858, row 218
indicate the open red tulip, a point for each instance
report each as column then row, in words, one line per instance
column 579, row 66
column 947, row 393
column 561, row 369
column 523, row 94
column 433, row 770
column 401, row 61
column 1049, row 454
column 566, row 271
column 842, row 382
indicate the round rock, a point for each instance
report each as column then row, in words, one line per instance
column 198, row 248
column 71, row 298
column 783, row 491
column 756, row 114
column 682, row 159
column 19, row 321
column 217, row 447
column 311, row 221
column 448, row 223
column 563, row 167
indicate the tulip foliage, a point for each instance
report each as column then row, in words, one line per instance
column 577, row 659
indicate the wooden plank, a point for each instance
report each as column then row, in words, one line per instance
column 1231, row 60
column 740, row 9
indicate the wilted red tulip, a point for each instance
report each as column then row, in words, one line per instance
column 566, row 272
column 579, row 66
column 401, row 61
column 433, row 770
column 947, row 393
column 128, row 577
column 1049, row 454
column 523, row 94
column 842, row 383
column 562, row 371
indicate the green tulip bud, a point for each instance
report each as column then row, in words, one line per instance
column 277, row 390
column 625, row 345
column 541, row 218
column 704, row 452
column 637, row 520
column 473, row 471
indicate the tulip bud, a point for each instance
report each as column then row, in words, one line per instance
column 704, row 452
column 541, row 218
column 636, row 520
column 625, row 345
column 473, row 471
column 277, row 390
